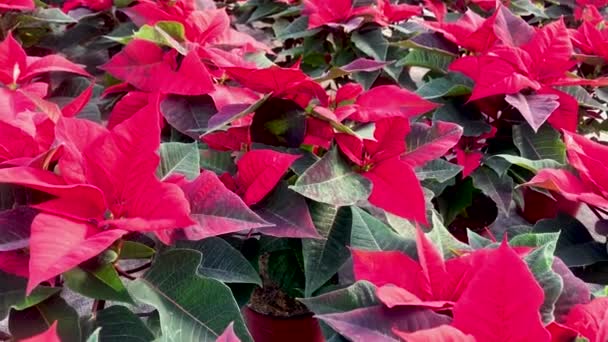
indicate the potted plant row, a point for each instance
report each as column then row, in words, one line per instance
column 272, row 170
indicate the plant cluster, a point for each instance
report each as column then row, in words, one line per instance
column 403, row 170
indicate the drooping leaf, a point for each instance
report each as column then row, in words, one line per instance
column 586, row 156
column 439, row 170
column 216, row 209
column 426, row 143
column 285, row 269
column 223, row 262
column 358, row 295
column 512, row 29
column 287, row 83
column 190, row 306
column 358, row 65
column 178, row 158
column 568, row 185
column 375, row 323
column 536, row 109
column 189, row 115
column 119, row 323
column 289, row 213
column 331, row 180
column 324, row 257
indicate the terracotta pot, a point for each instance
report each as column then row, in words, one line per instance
column 538, row 206
column 265, row 328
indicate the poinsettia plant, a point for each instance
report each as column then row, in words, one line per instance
column 393, row 170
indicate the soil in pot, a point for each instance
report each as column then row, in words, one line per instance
column 272, row 316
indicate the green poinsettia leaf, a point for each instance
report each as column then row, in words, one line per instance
column 575, row 246
column 453, row 84
column 499, row 189
column 433, row 60
column 102, row 282
column 372, row 43
column 540, row 262
column 332, row 180
column 178, row 158
column 12, row 294
column 324, row 257
column 191, row 307
column 223, row 262
column 369, row 233
column 135, row 250
column 39, row 318
column 439, row 170
column 544, row 144
column 118, row 323
column 358, row 295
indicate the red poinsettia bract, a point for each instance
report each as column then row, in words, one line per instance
column 528, row 60
column 19, row 89
column 487, row 303
column 588, row 159
column 379, row 161
column 116, row 192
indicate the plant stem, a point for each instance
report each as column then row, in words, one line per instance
column 597, row 212
column 98, row 305
column 139, row 268
column 123, row 273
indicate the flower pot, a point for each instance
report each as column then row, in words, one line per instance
column 538, row 206
column 266, row 328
